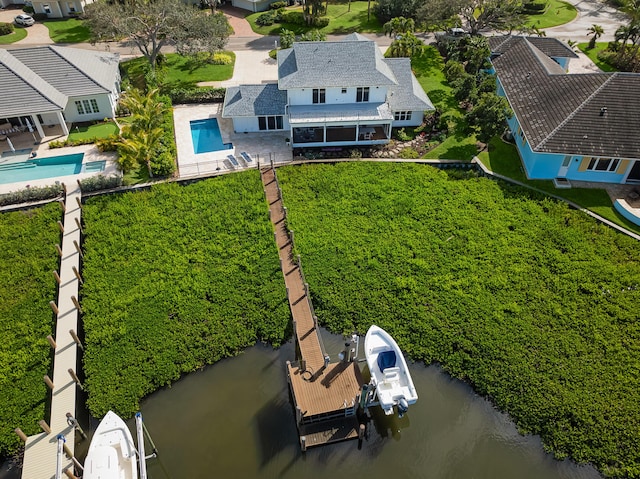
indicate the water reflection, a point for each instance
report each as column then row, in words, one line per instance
column 234, row 419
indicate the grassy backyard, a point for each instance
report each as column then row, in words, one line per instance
column 193, row 277
column 18, row 34
column 28, row 257
column 178, row 71
column 69, row 30
column 96, row 130
column 556, row 13
column 592, row 53
column 345, row 17
column 532, row 303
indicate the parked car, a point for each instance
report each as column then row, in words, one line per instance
column 24, row 20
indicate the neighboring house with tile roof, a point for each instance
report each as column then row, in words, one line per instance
column 581, row 127
column 341, row 93
column 53, row 85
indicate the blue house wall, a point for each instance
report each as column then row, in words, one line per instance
column 547, row 166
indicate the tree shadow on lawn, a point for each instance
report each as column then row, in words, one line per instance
column 75, row 34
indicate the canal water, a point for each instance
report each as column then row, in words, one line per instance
column 234, row 420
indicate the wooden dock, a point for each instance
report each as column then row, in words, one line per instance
column 325, row 394
column 40, row 453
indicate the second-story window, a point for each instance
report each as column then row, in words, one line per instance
column 362, row 94
column 319, row 95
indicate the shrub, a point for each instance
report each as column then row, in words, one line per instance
column 296, row 18
column 196, row 95
column 320, row 22
column 6, row 29
column 402, row 135
column 28, row 195
column 534, row 7
column 29, row 9
column 277, row 5
column 107, row 144
column 221, row 59
column 355, row 154
column 409, row 153
column 100, row 182
column 266, row 19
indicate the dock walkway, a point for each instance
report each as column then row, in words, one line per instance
column 40, row 454
column 325, row 394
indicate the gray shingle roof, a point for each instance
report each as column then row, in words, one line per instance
column 408, row 94
column 71, row 71
column 560, row 113
column 254, row 100
column 348, row 63
column 41, row 79
column 25, row 92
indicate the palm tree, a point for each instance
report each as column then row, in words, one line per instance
column 399, row 26
column 139, row 148
column 597, row 31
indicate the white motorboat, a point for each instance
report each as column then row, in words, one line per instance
column 112, row 453
column 389, row 373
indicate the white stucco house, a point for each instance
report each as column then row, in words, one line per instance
column 253, row 5
column 52, row 8
column 341, row 93
column 53, row 85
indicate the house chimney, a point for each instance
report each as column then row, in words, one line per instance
column 603, row 111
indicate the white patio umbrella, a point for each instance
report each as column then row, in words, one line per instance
column 11, row 144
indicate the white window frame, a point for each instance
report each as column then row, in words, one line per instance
column 402, row 115
column 607, row 165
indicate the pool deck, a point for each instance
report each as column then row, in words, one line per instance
column 261, row 146
column 91, row 153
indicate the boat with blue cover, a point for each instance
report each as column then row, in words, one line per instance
column 389, row 372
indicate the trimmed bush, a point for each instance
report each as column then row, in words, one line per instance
column 321, row 22
column 297, row 18
column 100, row 182
column 197, row 95
column 31, row 194
column 277, row 5
column 6, row 29
column 221, row 59
column 266, row 19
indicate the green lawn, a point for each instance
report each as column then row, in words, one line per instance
column 178, row 71
column 557, row 13
column 503, row 158
column 532, row 303
column 458, row 144
column 70, row 30
column 593, row 55
column 342, row 20
column 18, row 34
column 98, row 130
column 28, row 257
column 176, row 277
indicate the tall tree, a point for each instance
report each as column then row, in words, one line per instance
column 385, row 10
column 488, row 116
column 477, row 15
column 407, row 45
column 597, row 31
column 150, row 25
column 398, row 26
column 312, row 10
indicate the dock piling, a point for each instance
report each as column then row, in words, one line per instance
column 20, row 434
column 44, row 426
column 75, row 378
column 52, row 342
column 48, row 381
column 73, row 422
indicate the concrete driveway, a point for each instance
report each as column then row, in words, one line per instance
column 590, row 12
column 37, row 34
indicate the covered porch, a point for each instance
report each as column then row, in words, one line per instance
column 340, row 125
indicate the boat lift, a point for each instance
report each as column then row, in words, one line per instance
column 142, row 431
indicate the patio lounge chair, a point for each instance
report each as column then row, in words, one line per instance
column 233, row 160
column 228, row 165
column 246, row 157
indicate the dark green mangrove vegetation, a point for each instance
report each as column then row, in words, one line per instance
column 176, row 277
column 534, row 304
column 28, row 257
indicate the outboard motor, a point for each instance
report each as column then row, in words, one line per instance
column 403, row 407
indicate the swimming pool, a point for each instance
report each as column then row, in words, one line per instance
column 206, row 136
column 51, row 167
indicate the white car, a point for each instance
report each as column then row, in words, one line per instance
column 24, row 20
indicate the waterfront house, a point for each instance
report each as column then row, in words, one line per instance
column 332, row 94
column 52, row 85
column 568, row 127
column 52, row 8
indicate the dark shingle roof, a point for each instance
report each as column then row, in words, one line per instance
column 560, row 113
column 254, row 100
column 551, row 47
column 348, row 63
column 407, row 95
